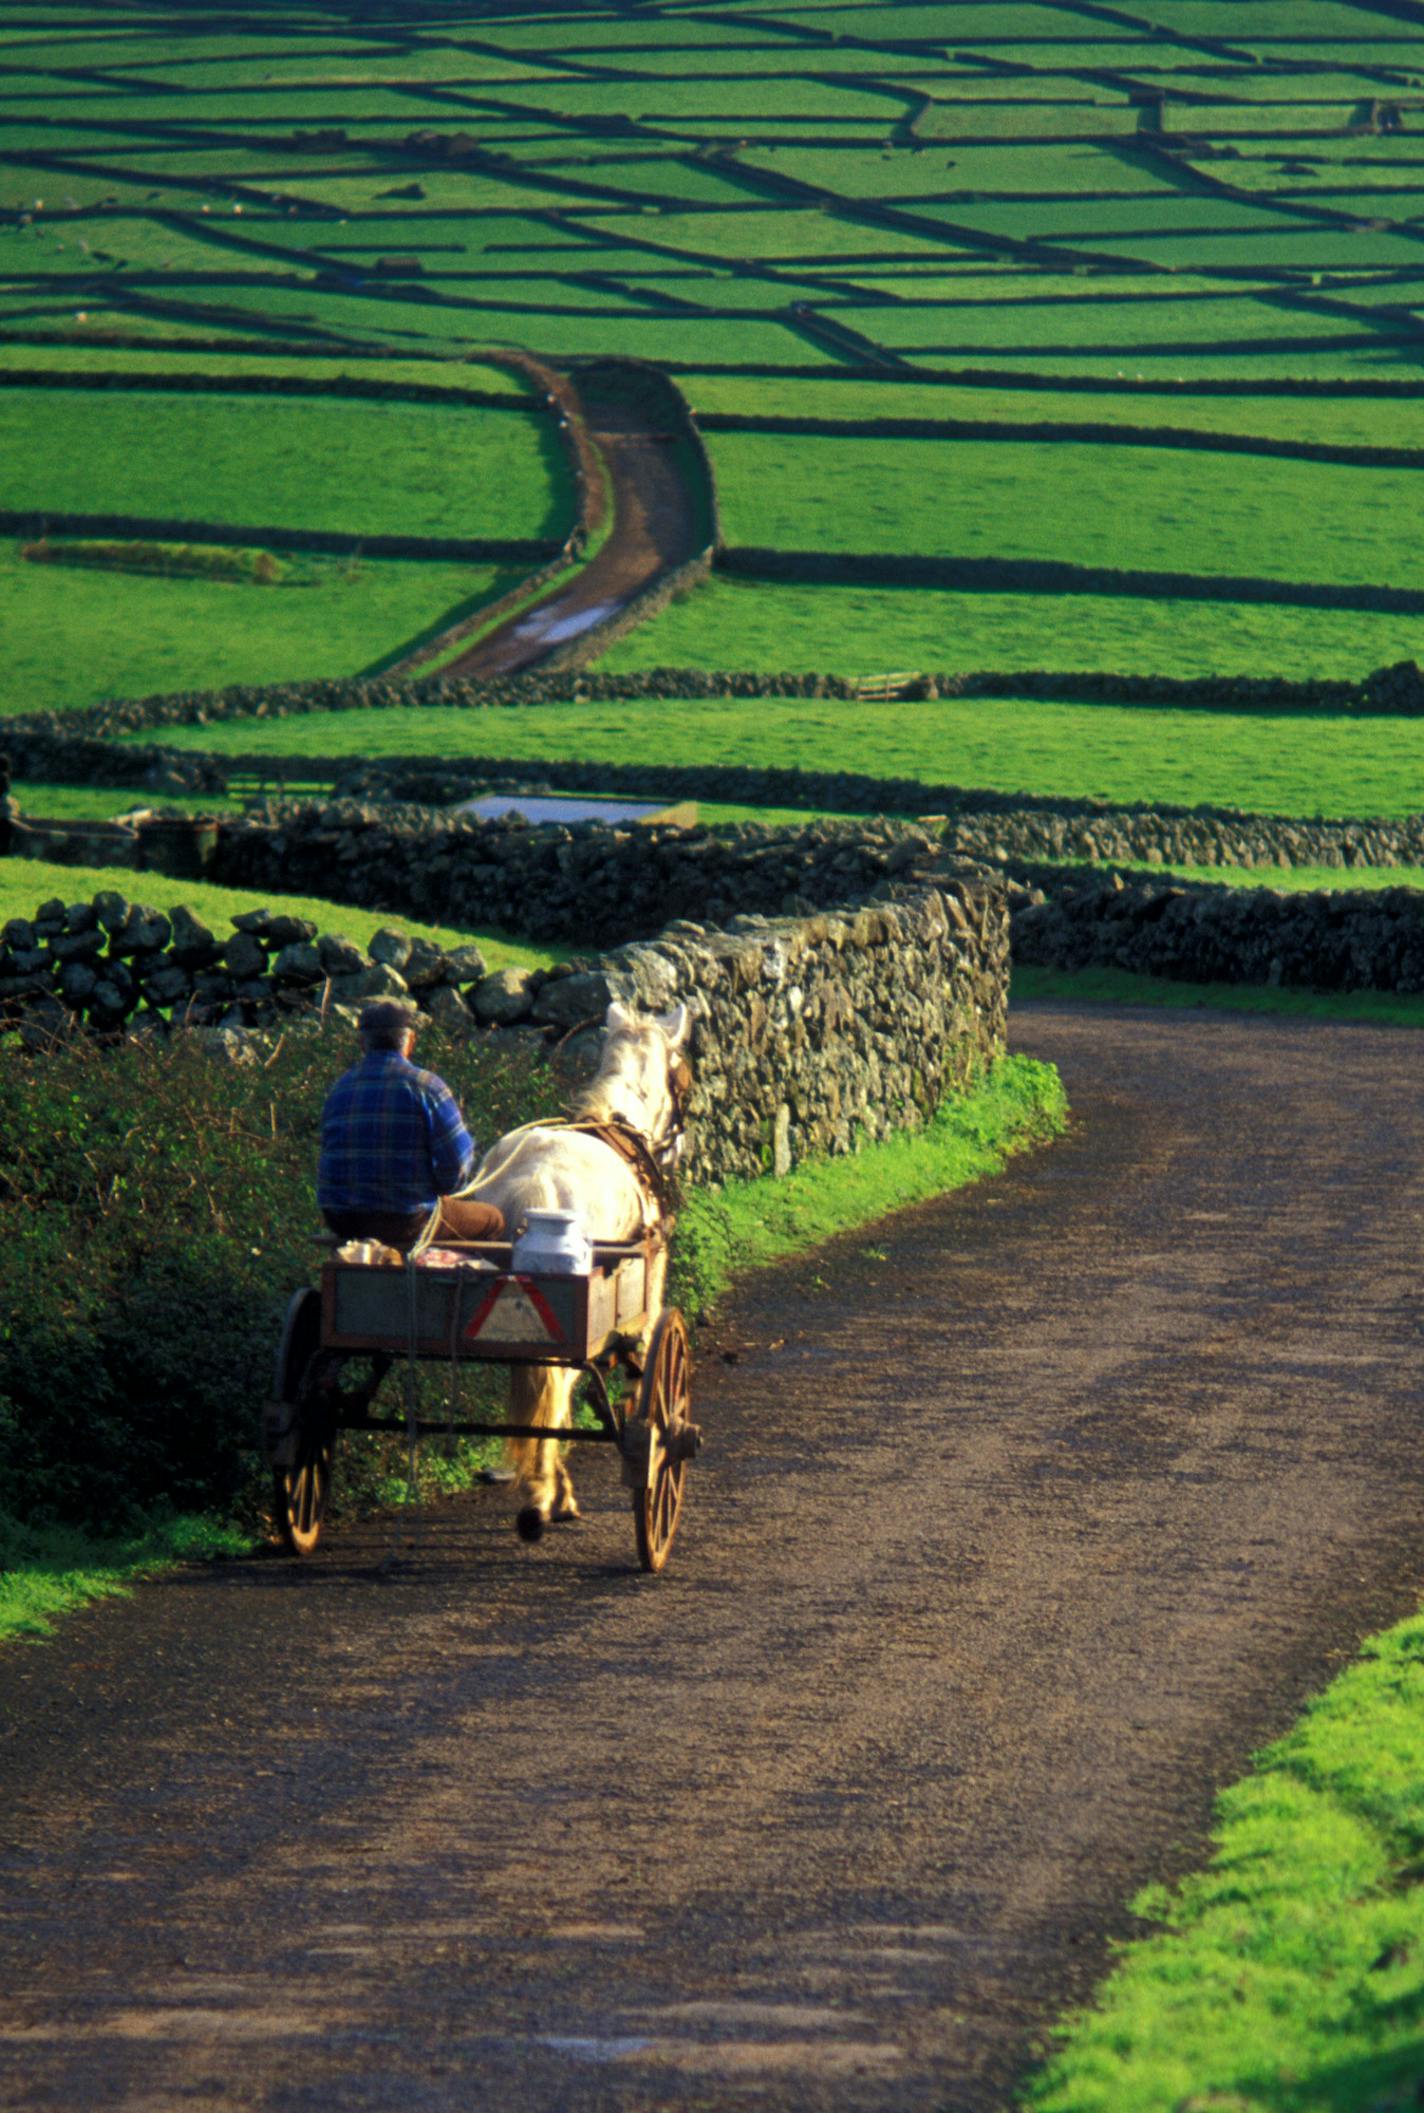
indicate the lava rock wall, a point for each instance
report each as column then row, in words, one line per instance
column 814, row 1034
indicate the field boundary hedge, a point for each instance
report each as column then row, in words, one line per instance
column 87, row 736
column 1052, row 576
column 1099, row 434
column 331, row 542
column 181, row 383
column 1084, row 384
column 846, row 371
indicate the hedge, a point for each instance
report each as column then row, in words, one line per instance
column 477, row 550
column 156, row 1213
column 265, row 385
column 1185, row 437
column 1050, row 576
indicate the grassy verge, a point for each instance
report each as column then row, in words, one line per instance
column 47, row 1571
column 749, row 1224
column 1289, row 1975
column 1116, row 986
column 744, row 1227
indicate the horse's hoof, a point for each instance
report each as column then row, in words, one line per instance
column 531, row 1523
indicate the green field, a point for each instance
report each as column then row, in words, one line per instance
column 1151, row 509
column 73, row 637
column 737, row 623
column 1302, row 765
column 278, row 462
column 989, row 201
column 1339, row 421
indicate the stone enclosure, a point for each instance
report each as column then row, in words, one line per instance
column 846, row 991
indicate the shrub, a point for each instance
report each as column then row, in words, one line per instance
column 198, row 561
column 156, row 1212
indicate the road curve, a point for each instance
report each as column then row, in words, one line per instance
column 1025, row 1520
column 635, row 444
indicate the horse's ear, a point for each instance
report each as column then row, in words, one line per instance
column 618, row 1019
column 676, row 1025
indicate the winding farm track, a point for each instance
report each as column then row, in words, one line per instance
column 656, row 527
column 1024, row 1522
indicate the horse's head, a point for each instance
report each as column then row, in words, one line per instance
column 644, row 1077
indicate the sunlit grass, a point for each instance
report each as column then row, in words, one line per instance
column 1289, row 1974
column 48, row 1571
column 1283, row 763
column 1117, row 986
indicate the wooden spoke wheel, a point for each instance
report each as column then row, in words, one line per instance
column 661, row 1439
column 302, row 1425
column 299, row 1492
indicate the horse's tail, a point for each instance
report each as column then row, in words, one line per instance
column 535, row 1397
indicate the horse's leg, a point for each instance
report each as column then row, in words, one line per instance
column 562, row 1379
column 657, row 1287
column 565, row 1502
column 541, row 1395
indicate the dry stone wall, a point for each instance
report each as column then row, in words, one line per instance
column 111, row 965
column 1398, row 689
column 1008, row 829
column 815, row 1032
column 1335, row 939
column 838, row 1002
column 584, row 883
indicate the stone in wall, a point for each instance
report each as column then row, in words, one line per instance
column 814, row 1034
column 1360, row 939
column 586, row 882
column 109, row 965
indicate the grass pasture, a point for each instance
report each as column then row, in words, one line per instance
column 1301, row 764
column 346, row 466
column 737, row 623
column 73, row 637
column 803, row 189
column 1120, row 506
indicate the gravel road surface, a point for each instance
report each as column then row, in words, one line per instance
column 1026, row 1516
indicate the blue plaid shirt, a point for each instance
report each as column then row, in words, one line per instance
column 392, row 1139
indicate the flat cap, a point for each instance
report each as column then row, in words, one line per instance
column 387, row 1016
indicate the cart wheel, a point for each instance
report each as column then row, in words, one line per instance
column 299, row 1493
column 305, row 1380
column 661, row 1439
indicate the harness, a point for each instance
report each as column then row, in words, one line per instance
column 638, row 1155
column 651, row 1165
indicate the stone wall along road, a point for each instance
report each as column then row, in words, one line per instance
column 1024, row 1520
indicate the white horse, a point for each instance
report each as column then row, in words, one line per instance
column 639, row 1087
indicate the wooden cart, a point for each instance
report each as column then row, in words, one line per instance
column 465, row 1303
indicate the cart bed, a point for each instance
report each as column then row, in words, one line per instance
column 478, row 1308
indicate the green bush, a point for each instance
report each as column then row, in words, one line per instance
column 199, row 561
column 156, row 1212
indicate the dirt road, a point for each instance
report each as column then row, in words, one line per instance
column 657, row 525
column 1025, row 1520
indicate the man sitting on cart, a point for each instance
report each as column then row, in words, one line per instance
column 395, row 1152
